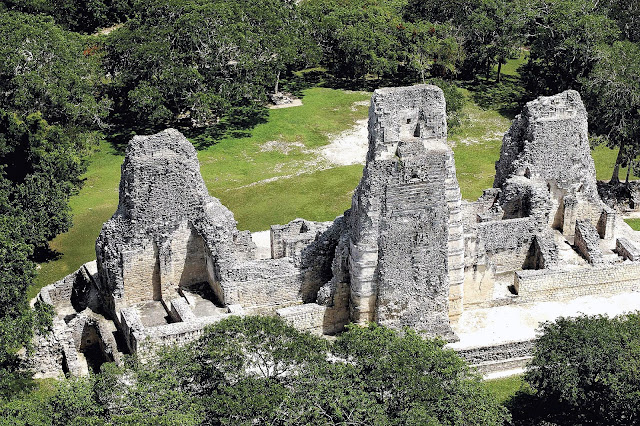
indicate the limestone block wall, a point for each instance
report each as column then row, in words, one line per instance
column 65, row 291
column 406, row 225
column 549, row 141
column 498, row 352
column 499, row 357
column 506, row 242
column 543, row 252
column 291, row 239
column 479, row 282
column 55, row 352
column 183, row 260
column 260, row 284
column 587, row 242
column 577, row 208
column 141, row 274
column 627, row 250
column 549, row 285
column 177, row 333
column 326, row 319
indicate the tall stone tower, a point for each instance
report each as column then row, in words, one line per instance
column 406, row 254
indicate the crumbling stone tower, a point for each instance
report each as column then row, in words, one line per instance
column 406, row 257
column 167, row 232
column 546, row 170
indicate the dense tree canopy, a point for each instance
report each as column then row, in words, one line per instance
column 197, row 59
column 259, row 370
column 613, row 89
column 49, row 107
column 77, row 15
column 565, row 37
column 51, row 71
column 584, row 371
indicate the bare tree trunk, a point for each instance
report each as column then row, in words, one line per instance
column 277, row 82
column 616, row 168
column 629, row 167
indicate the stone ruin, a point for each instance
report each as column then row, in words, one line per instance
column 408, row 253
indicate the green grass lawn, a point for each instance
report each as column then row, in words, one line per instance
column 503, row 389
column 476, row 146
column 634, row 224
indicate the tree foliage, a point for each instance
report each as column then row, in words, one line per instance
column 77, row 15
column 613, row 92
column 195, row 60
column 259, row 370
column 585, row 370
column 51, row 71
column 564, row 37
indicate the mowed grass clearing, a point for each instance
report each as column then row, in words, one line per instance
column 504, row 388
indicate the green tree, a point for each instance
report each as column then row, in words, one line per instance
column 77, row 15
column 358, row 37
column 488, row 31
column 626, row 13
column 613, row 93
column 197, row 60
column 41, row 167
column 17, row 320
column 431, row 48
column 48, row 70
column 416, row 380
column 565, row 38
column 584, row 370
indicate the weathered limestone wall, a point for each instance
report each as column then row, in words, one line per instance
column 141, row 274
column 164, row 210
column 320, row 319
column 548, row 285
column 507, row 242
column 73, row 290
column 549, row 140
column 291, row 239
column 261, row 283
column 183, row 260
column 500, row 357
column 406, row 248
column 627, row 250
column 587, row 242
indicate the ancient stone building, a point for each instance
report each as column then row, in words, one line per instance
column 406, row 245
column 408, row 252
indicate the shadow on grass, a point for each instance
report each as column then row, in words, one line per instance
column 368, row 84
column 237, row 121
column 507, row 97
column 45, row 254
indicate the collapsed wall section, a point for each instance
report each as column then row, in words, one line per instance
column 545, row 168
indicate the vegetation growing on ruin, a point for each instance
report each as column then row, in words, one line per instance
column 259, row 370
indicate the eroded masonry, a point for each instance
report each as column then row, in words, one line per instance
column 409, row 252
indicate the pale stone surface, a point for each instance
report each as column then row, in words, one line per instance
column 405, row 224
column 409, row 252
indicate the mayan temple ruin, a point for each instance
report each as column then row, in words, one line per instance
column 408, row 253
